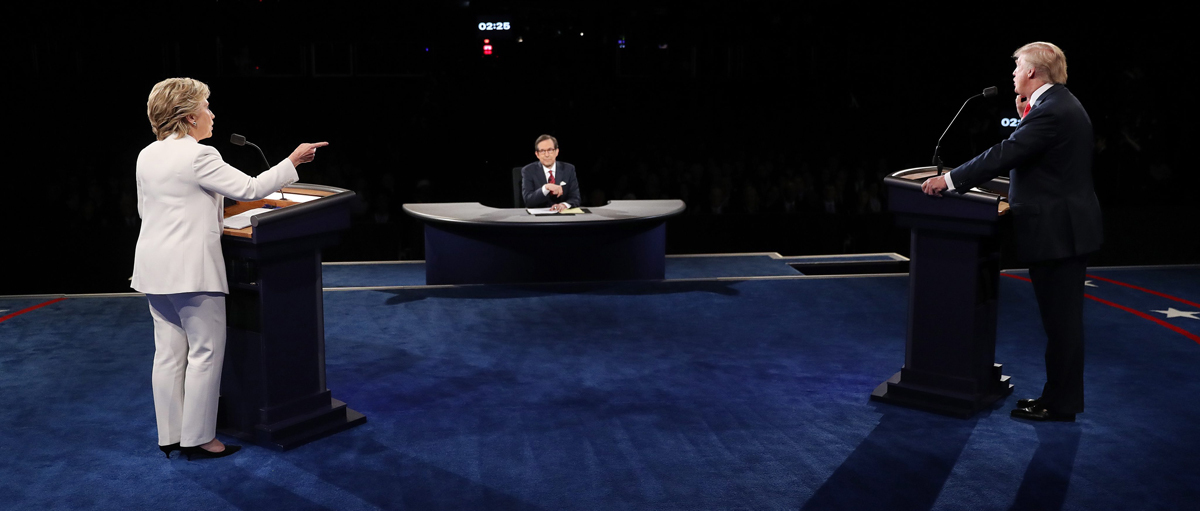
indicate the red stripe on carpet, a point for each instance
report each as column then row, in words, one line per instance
column 1135, row 312
column 27, row 309
column 1018, row 277
column 1144, row 290
column 1141, row 314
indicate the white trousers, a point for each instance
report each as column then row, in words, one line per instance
column 189, row 348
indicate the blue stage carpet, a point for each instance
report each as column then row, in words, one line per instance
column 690, row 395
column 412, row 273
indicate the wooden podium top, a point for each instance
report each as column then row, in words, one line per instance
column 995, row 190
column 241, row 207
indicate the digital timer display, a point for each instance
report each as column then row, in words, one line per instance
column 495, row 27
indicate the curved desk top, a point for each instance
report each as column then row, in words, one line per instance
column 474, row 213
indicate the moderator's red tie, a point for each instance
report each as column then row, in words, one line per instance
column 551, row 180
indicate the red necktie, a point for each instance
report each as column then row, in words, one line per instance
column 551, row 180
column 1028, row 107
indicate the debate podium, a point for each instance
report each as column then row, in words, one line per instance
column 273, row 390
column 950, row 350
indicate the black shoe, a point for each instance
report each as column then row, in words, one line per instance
column 202, row 453
column 166, row 449
column 1040, row 413
column 1029, row 403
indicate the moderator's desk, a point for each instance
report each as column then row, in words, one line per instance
column 469, row 243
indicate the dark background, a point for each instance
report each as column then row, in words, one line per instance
column 731, row 106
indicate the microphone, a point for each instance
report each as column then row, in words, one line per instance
column 937, row 158
column 239, row 140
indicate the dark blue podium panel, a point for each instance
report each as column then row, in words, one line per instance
column 954, row 269
column 273, row 382
column 468, row 243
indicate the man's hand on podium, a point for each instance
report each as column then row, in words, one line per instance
column 559, row 207
column 934, row 186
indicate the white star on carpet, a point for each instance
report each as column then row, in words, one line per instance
column 1088, row 283
column 1172, row 313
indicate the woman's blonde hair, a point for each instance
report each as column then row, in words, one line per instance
column 171, row 101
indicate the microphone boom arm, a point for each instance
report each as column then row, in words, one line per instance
column 236, row 139
column 268, row 164
column 937, row 158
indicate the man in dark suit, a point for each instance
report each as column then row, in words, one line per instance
column 1055, row 215
column 548, row 182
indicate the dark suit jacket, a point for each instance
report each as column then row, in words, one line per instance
column 533, row 177
column 1049, row 162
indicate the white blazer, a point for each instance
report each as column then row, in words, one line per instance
column 180, row 184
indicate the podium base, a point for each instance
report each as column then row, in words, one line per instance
column 955, row 404
column 296, row 431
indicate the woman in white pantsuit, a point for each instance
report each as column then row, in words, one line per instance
column 178, row 262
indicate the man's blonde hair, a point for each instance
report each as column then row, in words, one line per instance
column 1048, row 61
column 171, row 101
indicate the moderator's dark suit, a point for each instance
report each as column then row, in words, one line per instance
column 533, row 177
column 1057, row 221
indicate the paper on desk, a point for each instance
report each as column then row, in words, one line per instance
column 548, row 211
column 242, row 220
column 292, row 196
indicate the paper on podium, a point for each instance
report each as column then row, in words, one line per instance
column 292, row 196
column 242, row 220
